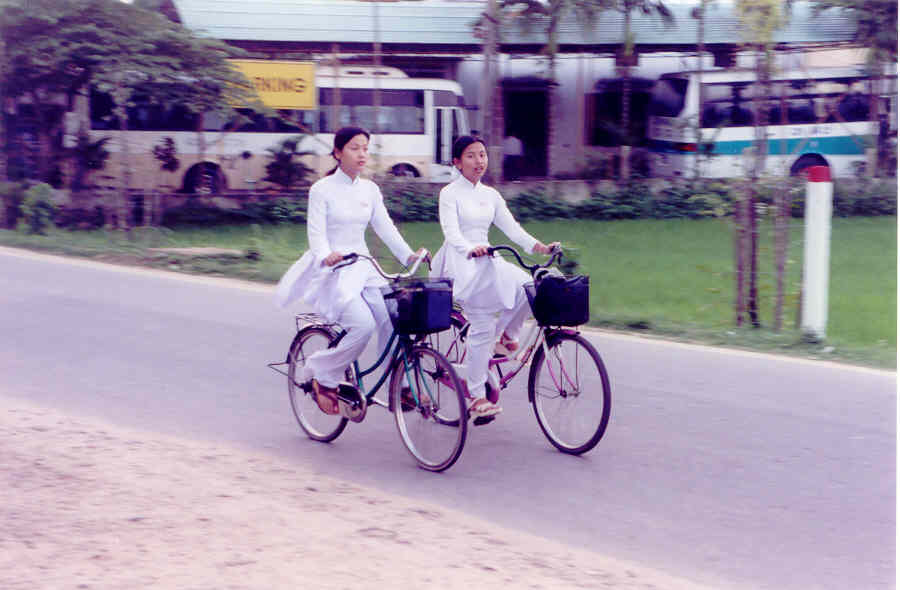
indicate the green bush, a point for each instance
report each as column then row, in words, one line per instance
column 535, row 204
column 11, row 196
column 410, row 202
column 852, row 197
column 37, row 209
column 80, row 218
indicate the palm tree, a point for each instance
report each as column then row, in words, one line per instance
column 549, row 14
column 628, row 59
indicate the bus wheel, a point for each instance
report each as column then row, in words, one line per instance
column 405, row 170
column 805, row 161
column 204, row 178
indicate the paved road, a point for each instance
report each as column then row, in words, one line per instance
column 732, row 469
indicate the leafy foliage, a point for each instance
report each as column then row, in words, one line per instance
column 165, row 153
column 286, row 169
column 37, row 209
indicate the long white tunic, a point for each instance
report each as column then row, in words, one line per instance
column 340, row 209
column 466, row 213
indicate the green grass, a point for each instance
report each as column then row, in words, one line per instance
column 668, row 278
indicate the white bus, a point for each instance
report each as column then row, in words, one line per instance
column 813, row 117
column 418, row 120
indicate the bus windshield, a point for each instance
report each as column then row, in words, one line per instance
column 667, row 98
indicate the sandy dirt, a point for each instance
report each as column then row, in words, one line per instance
column 90, row 505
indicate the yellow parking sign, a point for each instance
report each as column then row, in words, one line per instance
column 281, row 84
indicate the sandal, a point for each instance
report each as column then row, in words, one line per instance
column 483, row 408
column 506, row 345
column 326, row 398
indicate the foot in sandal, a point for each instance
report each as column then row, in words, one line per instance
column 483, row 408
column 506, row 345
column 326, row 397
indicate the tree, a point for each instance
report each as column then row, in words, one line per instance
column 875, row 27
column 285, row 168
column 759, row 21
column 627, row 60
column 548, row 14
column 58, row 48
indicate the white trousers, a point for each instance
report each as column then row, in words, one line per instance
column 362, row 317
column 485, row 328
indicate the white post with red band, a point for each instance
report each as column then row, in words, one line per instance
column 816, row 250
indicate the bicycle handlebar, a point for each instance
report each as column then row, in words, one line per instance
column 555, row 256
column 351, row 258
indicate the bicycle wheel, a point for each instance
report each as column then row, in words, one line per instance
column 570, row 392
column 315, row 423
column 451, row 342
column 429, row 407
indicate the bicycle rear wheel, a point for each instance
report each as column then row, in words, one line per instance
column 315, row 423
column 570, row 392
column 451, row 342
column 429, row 407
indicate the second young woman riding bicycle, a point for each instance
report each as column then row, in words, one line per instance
column 490, row 289
column 341, row 206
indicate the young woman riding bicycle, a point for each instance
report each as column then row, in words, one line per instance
column 489, row 289
column 341, row 206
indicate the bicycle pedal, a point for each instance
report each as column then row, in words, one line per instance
column 351, row 404
column 482, row 420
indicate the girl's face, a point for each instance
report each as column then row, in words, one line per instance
column 473, row 162
column 354, row 156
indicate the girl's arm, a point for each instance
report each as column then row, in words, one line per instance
column 504, row 219
column 316, row 223
column 386, row 230
column 449, row 218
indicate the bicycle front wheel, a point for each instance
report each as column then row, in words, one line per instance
column 429, row 407
column 315, row 423
column 569, row 389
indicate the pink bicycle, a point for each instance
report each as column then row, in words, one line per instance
column 568, row 385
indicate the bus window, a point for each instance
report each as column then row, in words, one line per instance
column 800, row 112
column 400, row 111
column 667, row 97
column 854, row 107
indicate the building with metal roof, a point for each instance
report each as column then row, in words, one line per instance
column 440, row 38
column 444, row 25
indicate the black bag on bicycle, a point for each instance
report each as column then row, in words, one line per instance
column 559, row 300
column 419, row 306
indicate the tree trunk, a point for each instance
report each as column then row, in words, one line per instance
column 740, row 249
column 782, row 233
column 489, row 123
column 701, row 23
column 119, row 96
column 625, row 148
column 43, row 138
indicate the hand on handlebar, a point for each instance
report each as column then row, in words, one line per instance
column 422, row 254
column 479, row 251
column 541, row 248
column 332, row 259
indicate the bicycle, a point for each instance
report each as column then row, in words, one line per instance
column 568, row 385
column 425, row 394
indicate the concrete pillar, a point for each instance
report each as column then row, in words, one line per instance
column 816, row 250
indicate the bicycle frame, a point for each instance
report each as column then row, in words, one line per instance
column 537, row 335
column 395, row 353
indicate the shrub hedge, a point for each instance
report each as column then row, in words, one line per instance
column 407, row 202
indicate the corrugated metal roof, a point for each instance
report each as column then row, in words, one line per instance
column 442, row 22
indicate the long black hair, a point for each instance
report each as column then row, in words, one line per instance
column 464, row 141
column 341, row 138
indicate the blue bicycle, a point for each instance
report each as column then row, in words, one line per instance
column 425, row 395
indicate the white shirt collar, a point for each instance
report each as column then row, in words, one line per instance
column 468, row 183
column 342, row 176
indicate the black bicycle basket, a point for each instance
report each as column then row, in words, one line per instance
column 419, row 306
column 559, row 300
